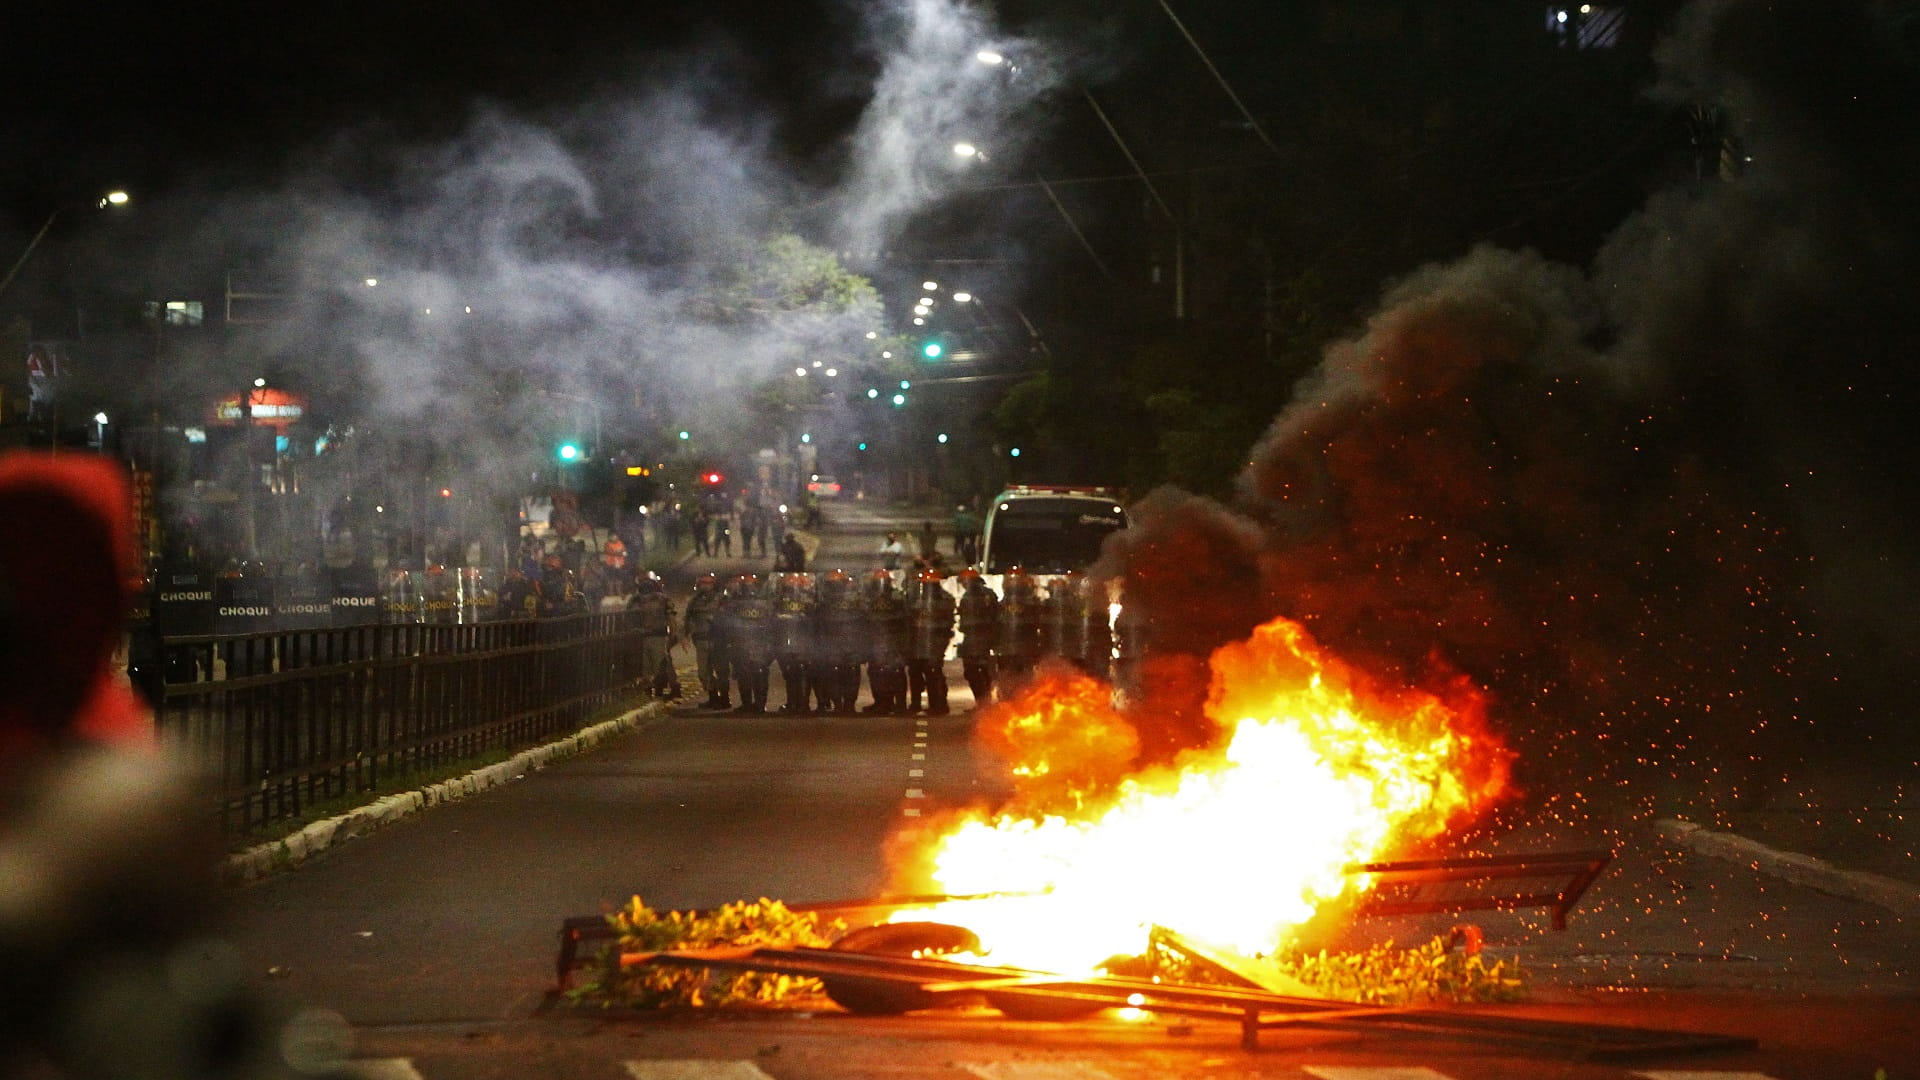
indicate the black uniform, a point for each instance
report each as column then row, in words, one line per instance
column 929, row 632
column 1023, row 619
column 1077, row 625
column 841, row 634
column 979, row 623
column 887, row 646
column 702, row 607
column 654, row 615
column 749, row 642
column 793, row 644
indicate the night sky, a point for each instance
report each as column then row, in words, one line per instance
column 151, row 97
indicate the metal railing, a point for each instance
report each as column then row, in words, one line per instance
column 284, row 720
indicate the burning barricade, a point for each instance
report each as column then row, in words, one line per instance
column 1177, row 888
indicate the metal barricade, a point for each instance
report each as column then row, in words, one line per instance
column 286, row 719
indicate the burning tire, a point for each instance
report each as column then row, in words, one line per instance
column 882, row 997
column 1025, row 1007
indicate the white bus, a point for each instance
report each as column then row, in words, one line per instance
column 1047, row 530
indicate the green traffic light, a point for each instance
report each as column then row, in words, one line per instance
column 863, row 446
column 932, row 350
column 569, row 451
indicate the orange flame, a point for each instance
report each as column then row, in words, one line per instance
column 1237, row 844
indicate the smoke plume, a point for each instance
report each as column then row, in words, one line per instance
column 1662, row 509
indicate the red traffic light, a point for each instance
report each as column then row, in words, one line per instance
column 714, row 478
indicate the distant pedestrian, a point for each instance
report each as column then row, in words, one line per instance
column 929, row 540
column 723, row 536
column 892, row 552
column 699, row 524
column 792, row 558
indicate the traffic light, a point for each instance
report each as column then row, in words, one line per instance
column 932, row 349
column 713, row 479
column 568, row 451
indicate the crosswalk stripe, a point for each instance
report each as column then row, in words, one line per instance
column 1371, row 1073
column 1036, row 1070
column 694, row 1069
column 1701, row 1074
column 382, row 1069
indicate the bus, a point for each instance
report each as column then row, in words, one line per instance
column 1047, row 530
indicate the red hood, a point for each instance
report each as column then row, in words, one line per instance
column 67, row 562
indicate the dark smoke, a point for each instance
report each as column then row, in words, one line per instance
column 1662, row 511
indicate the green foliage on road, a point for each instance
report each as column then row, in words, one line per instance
column 641, row 929
column 1387, row 975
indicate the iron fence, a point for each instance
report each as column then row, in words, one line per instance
column 287, row 719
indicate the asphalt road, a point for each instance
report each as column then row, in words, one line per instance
column 435, row 937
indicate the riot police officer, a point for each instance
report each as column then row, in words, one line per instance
column 1022, row 628
column 887, row 645
column 702, row 607
column 749, row 641
column 437, row 601
column 793, row 637
column 979, row 612
column 654, row 613
column 1077, row 624
column 559, row 593
column 518, row 598
column 929, row 632
column 841, row 633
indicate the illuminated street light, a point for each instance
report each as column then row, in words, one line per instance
column 990, row 58
column 100, row 418
column 962, row 297
column 684, row 436
column 873, row 391
column 899, row 399
column 111, row 198
column 871, row 334
column 806, row 437
column 260, row 382
column 886, row 354
column 919, row 322
column 922, row 309
column 1015, row 452
column 930, row 285
column 832, row 371
column 372, row 282
column 966, row 150
column 943, row 436
column 905, row 385
column 816, row 363
column 927, row 300
column 800, row 371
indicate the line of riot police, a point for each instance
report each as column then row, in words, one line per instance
column 822, row 631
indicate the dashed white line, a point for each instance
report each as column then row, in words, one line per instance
column 914, row 773
column 1371, row 1073
column 1698, row 1074
column 915, row 793
column 1036, row 1070
column 694, row 1070
column 381, row 1069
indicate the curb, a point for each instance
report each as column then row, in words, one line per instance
column 1900, row 897
column 261, row 860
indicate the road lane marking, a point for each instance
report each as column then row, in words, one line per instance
column 911, row 773
column 1036, row 1070
column 1371, row 1073
column 911, row 811
column 382, row 1069
column 916, row 793
column 919, row 757
column 694, row 1069
column 1701, row 1074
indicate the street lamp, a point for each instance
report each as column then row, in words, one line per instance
column 111, row 198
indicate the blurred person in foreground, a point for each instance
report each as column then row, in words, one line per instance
column 109, row 960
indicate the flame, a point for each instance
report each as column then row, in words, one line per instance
column 1238, row 844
